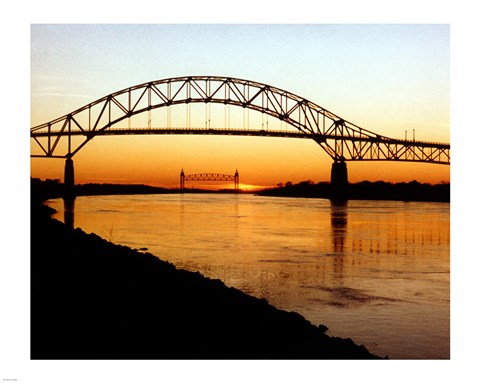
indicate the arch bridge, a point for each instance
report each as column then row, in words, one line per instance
column 342, row 140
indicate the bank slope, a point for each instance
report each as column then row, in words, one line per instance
column 91, row 299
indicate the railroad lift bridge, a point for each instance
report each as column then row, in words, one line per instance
column 342, row 140
column 210, row 177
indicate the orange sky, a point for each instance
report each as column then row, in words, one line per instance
column 157, row 160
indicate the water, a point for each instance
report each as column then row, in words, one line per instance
column 374, row 271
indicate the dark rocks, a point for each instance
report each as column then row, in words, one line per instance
column 91, row 299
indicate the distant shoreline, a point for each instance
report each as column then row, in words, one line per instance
column 365, row 190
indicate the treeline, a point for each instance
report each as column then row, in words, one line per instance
column 117, row 189
column 41, row 190
column 50, row 189
column 365, row 190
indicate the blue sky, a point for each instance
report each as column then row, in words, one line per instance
column 382, row 77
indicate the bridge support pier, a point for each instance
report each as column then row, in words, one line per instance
column 182, row 181
column 69, row 181
column 339, row 181
column 236, row 181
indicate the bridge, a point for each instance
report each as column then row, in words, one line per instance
column 209, row 177
column 342, row 140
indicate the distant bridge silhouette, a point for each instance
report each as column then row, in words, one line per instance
column 210, row 177
column 340, row 139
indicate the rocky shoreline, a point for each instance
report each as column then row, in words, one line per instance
column 91, row 299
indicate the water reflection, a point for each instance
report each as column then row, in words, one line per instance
column 385, row 283
column 338, row 219
column 68, row 212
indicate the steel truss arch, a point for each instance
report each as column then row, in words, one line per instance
column 341, row 139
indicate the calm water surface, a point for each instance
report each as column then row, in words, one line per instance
column 377, row 272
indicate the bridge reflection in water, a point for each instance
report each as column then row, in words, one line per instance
column 69, row 212
column 339, row 215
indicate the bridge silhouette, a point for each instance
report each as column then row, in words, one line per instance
column 342, row 140
column 210, row 177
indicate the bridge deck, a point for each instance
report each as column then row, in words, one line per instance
column 235, row 132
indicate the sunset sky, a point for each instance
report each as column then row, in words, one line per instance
column 385, row 78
